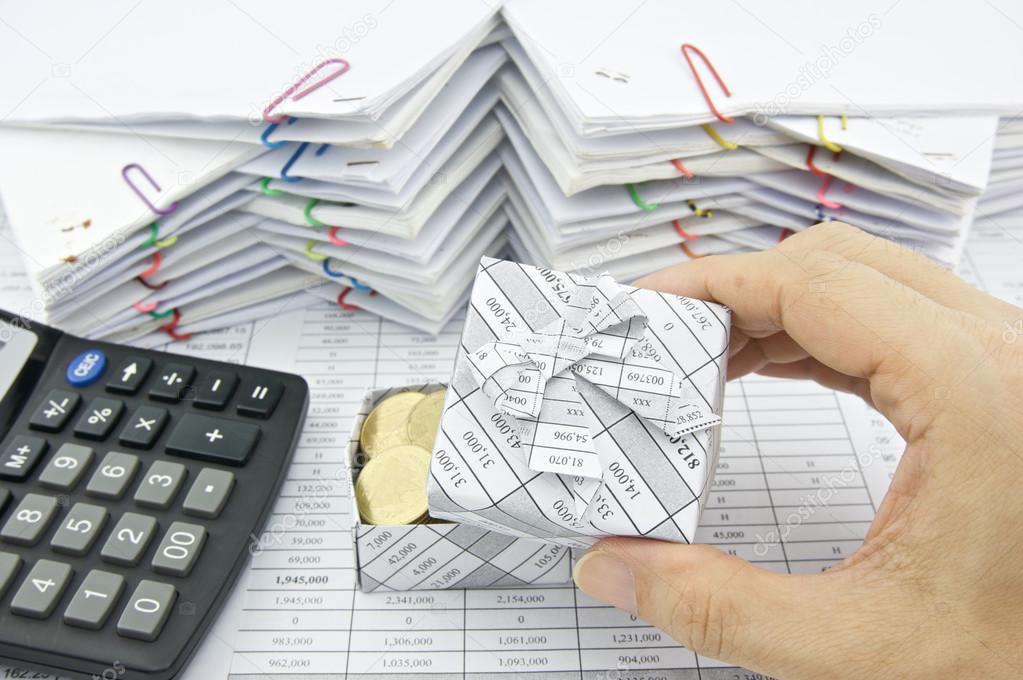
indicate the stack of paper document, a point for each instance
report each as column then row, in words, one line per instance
column 194, row 186
column 165, row 175
column 651, row 134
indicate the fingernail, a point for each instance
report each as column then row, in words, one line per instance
column 606, row 578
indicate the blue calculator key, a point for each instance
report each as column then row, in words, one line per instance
column 86, row 368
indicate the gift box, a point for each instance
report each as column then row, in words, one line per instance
column 438, row 555
column 580, row 408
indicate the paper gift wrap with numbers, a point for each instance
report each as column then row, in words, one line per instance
column 580, row 408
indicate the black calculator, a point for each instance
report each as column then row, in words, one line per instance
column 133, row 487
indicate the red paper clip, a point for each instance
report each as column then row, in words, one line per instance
column 152, row 269
column 686, row 236
column 295, row 94
column 138, row 192
column 168, row 328
column 825, row 184
column 785, row 233
column 699, row 81
column 335, row 239
column 341, row 300
column 686, row 172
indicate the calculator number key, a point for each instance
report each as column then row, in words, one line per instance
column 9, row 566
column 20, row 456
column 99, row 418
column 54, row 411
column 113, row 475
column 129, row 539
column 41, row 589
column 179, row 549
column 160, row 484
column 66, row 467
column 29, row 520
column 147, row 610
column 79, row 529
column 94, row 600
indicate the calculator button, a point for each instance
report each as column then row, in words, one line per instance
column 143, row 427
column 9, row 566
column 209, row 493
column 258, row 398
column 129, row 539
column 206, row 438
column 5, row 498
column 86, row 368
column 79, row 529
column 214, row 389
column 147, row 610
column 94, row 600
column 21, row 456
column 179, row 549
column 41, row 589
column 113, row 475
column 54, row 411
column 160, row 484
column 171, row 383
column 29, row 520
column 66, row 467
column 130, row 375
column 99, row 418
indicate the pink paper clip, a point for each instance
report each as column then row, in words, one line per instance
column 295, row 94
column 138, row 192
column 146, row 307
column 699, row 81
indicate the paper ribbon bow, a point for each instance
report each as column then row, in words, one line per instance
column 601, row 340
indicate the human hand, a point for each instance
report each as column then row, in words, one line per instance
column 937, row 587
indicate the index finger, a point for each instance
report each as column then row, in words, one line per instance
column 845, row 314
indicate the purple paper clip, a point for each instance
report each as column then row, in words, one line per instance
column 138, row 192
column 295, row 94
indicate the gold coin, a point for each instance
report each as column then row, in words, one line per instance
column 424, row 420
column 391, row 489
column 386, row 425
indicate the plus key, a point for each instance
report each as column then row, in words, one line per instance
column 217, row 440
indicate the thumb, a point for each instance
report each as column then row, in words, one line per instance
column 715, row 604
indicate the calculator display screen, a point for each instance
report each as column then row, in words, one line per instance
column 23, row 354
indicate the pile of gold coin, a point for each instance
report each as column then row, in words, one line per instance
column 396, row 442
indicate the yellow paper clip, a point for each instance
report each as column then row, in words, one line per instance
column 828, row 144
column 718, row 138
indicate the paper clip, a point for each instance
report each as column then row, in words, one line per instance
column 341, row 300
column 826, row 180
column 699, row 80
column 291, row 161
column 152, row 268
column 265, row 137
column 648, row 207
column 151, row 286
column 295, row 94
column 169, row 328
column 687, row 251
column 699, row 212
column 138, row 192
column 686, row 236
column 323, row 148
column 829, row 145
column 845, row 121
column 335, row 274
column 821, row 216
column 709, row 129
column 785, row 233
column 161, row 315
column 334, row 238
column 308, row 213
column 312, row 254
column 264, row 188
column 147, row 307
column 683, row 170
column 155, row 241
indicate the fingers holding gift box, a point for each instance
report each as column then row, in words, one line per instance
column 580, row 408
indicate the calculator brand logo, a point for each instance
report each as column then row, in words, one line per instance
column 116, row 670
